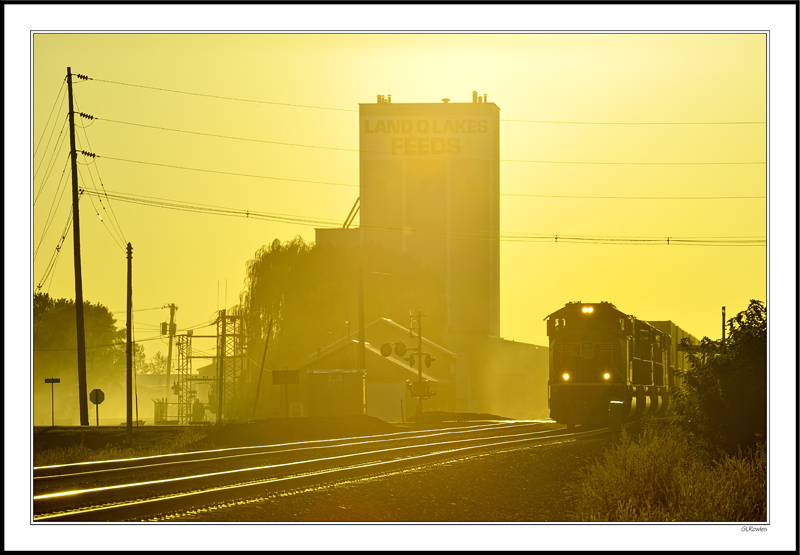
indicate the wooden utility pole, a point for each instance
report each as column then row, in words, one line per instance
column 76, row 236
column 129, row 350
column 419, row 358
column 362, row 336
column 723, row 325
column 261, row 371
column 222, row 319
column 171, row 333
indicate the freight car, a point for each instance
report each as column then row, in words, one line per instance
column 600, row 354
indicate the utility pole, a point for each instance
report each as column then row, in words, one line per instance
column 362, row 350
column 171, row 331
column 723, row 325
column 76, row 235
column 419, row 357
column 222, row 319
column 129, row 350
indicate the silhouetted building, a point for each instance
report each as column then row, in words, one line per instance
column 430, row 186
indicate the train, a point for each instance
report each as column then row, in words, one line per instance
column 599, row 354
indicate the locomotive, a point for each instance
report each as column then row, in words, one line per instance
column 600, row 354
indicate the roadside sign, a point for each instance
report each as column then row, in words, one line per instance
column 52, row 381
column 96, row 396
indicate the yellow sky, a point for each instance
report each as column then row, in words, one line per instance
column 179, row 257
column 602, row 79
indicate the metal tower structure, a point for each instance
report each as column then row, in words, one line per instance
column 233, row 381
column 184, row 387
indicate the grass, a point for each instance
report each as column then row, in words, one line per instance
column 72, row 448
column 661, row 476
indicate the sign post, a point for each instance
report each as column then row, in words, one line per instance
column 97, row 396
column 52, row 381
column 285, row 377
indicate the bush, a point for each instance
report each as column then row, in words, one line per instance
column 663, row 477
column 723, row 398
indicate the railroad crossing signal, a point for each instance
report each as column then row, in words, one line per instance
column 97, row 396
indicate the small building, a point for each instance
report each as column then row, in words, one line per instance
column 331, row 375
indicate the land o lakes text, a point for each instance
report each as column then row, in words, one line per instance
column 421, row 146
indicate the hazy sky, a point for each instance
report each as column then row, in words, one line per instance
column 180, row 257
column 629, row 115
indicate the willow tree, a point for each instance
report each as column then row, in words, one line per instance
column 310, row 293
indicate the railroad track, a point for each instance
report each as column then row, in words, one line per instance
column 150, row 487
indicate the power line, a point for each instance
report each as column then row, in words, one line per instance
column 356, row 111
column 355, row 150
column 255, row 176
column 52, row 110
column 222, row 97
column 61, row 137
column 51, row 213
column 113, row 237
column 226, row 136
column 638, row 163
column 51, row 265
column 224, row 173
column 216, row 210
column 114, row 221
column 503, row 236
column 639, row 122
column 101, row 345
column 629, row 197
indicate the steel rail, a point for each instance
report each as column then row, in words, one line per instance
column 96, row 507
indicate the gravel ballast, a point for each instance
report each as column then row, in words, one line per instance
column 520, row 485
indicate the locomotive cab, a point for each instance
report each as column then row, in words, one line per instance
column 599, row 354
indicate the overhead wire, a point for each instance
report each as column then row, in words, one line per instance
column 221, row 211
column 163, row 89
column 163, row 203
column 47, row 177
column 355, row 150
column 54, row 257
column 256, row 176
column 51, row 213
column 61, row 137
column 97, row 213
column 113, row 219
column 97, row 193
column 101, row 345
column 52, row 110
column 503, row 236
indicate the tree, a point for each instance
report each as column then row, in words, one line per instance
column 157, row 365
column 723, row 397
column 309, row 291
column 55, row 352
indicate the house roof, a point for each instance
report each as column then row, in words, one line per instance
column 372, row 352
column 385, row 322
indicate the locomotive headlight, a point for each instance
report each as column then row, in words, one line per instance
column 565, row 376
column 606, row 376
column 588, row 309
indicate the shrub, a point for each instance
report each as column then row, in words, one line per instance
column 723, row 398
column 662, row 476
